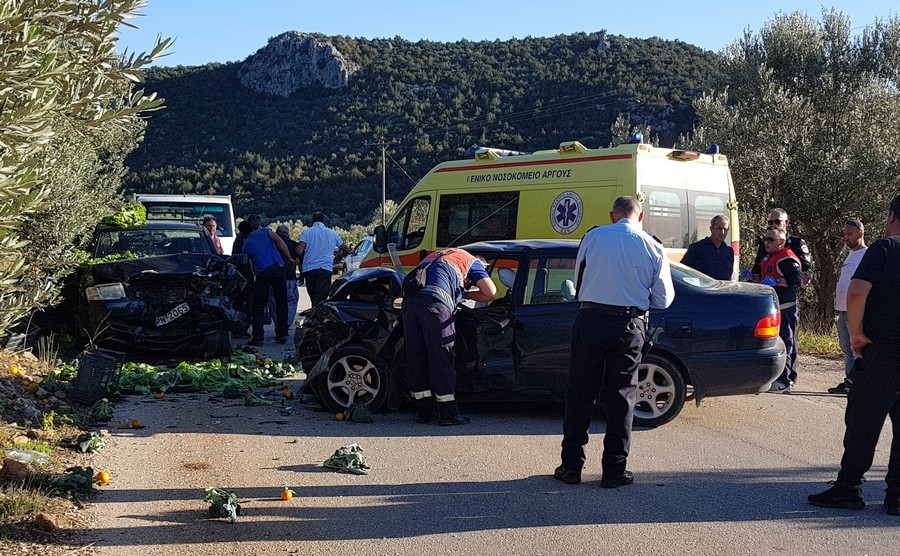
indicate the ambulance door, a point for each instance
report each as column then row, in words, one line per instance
column 410, row 233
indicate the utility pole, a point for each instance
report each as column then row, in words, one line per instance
column 383, row 185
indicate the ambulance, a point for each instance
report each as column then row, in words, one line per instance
column 559, row 193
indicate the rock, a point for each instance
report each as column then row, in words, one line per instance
column 60, row 394
column 20, row 440
column 13, row 469
column 293, row 60
column 44, row 522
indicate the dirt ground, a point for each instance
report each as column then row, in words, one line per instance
column 154, row 502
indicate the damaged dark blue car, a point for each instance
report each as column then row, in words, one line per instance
column 716, row 339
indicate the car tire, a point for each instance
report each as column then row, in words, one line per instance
column 660, row 394
column 352, row 378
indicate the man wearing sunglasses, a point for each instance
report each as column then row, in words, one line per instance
column 780, row 268
column 779, row 219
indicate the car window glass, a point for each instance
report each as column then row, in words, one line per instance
column 546, row 276
column 192, row 213
column 408, row 229
column 471, row 217
column 688, row 275
column 150, row 243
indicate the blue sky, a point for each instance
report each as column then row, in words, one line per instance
column 230, row 30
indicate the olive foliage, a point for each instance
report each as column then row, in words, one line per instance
column 68, row 118
column 808, row 119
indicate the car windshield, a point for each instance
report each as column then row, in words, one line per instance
column 686, row 274
column 151, row 243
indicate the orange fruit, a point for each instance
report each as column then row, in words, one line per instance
column 102, row 477
column 287, row 494
column 287, row 393
column 135, row 424
column 340, row 416
column 159, row 395
column 271, row 388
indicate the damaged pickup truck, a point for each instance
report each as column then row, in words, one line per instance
column 169, row 291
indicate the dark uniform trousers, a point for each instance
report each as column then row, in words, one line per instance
column 874, row 396
column 788, row 333
column 270, row 280
column 430, row 337
column 606, row 353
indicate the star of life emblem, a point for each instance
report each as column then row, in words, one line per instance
column 566, row 212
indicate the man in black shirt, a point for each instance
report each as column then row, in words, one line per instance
column 873, row 301
column 712, row 255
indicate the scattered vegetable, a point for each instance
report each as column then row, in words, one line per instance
column 250, row 399
column 340, row 416
column 223, row 503
column 75, row 480
column 101, row 411
column 348, row 459
column 102, row 477
column 135, row 424
column 287, row 494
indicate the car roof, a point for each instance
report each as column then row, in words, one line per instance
column 153, row 225
column 522, row 245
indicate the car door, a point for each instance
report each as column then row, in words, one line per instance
column 543, row 322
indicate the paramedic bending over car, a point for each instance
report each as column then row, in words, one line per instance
column 429, row 332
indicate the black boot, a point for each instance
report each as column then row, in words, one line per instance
column 425, row 410
column 839, row 496
column 448, row 414
column 892, row 501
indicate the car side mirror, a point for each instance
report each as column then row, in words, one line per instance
column 379, row 243
column 239, row 260
column 568, row 290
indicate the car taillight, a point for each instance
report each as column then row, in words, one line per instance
column 767, row 327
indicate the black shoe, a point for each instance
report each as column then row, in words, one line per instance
column 842, row 388
column 281, row 339
column 891, row 503
column 615, row 482
column 425, row 410
column 448, row 414
column 255, row 342
column 567, row 476
column 840, row 497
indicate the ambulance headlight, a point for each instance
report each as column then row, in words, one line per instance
column 105, row 292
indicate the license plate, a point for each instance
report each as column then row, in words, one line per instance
column 173, row 314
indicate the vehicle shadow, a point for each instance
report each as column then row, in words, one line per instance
column 375, row 511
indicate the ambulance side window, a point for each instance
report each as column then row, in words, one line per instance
column 470, row 217
column 408, row 229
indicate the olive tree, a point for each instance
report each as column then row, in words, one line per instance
column 68, row 116
column 808, row 120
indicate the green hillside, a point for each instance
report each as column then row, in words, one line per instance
column 285, row 157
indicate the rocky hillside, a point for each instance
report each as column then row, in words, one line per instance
column 295, row 127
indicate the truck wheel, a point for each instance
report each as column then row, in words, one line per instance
column 352, row 378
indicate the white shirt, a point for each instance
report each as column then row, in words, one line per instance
column 847, row 271
column 624, row 267
column 320, row 243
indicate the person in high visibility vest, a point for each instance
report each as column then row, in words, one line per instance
column 781, row 269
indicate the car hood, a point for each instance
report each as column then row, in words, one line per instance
column 346, row 284
column 164, row 266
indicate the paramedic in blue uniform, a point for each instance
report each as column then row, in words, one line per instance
column 621, row 272
column 712, row 255
column 429, row 331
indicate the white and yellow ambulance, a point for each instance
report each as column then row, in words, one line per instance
column 559, row 193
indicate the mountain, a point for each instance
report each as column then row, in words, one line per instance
column 296, row 126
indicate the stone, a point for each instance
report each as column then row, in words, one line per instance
column 44, row 522
column 20, row 440
column 13, row 469
column 294, row 60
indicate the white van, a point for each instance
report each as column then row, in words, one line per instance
column 193, row 208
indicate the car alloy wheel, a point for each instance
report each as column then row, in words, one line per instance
column 660, row 393
column 352, row 378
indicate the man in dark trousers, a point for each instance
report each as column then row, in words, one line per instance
column 269, row 254
column 873, row 301
column 780, row 268
column 429, row 332
column 620, row 273
column 316, row 246
column 712, row 255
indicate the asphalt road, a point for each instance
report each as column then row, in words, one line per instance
column 730, row 476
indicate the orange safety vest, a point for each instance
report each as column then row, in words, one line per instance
column 768, row 266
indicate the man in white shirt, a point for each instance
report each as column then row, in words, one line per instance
column 317, row 245
column 853, row 236
column 620, row 273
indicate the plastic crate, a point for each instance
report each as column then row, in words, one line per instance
column 97, row 371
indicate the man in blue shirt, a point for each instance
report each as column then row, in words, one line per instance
column 268, row 253
column 316, row 246
column 712, row 255
column 620, row 273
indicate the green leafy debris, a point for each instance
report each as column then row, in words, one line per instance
column 222, row 503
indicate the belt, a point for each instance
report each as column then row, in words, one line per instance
column 614, row 310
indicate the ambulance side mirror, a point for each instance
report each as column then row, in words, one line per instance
column 379, row 244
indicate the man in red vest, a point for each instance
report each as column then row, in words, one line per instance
column 780, row 268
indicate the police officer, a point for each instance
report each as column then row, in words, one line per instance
column 429, row 332
column 779, row 219
column 621, row 272
column 873, row 304
column 780, row 268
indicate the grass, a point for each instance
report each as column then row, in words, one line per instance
column 21, row 500
column 818, row 344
